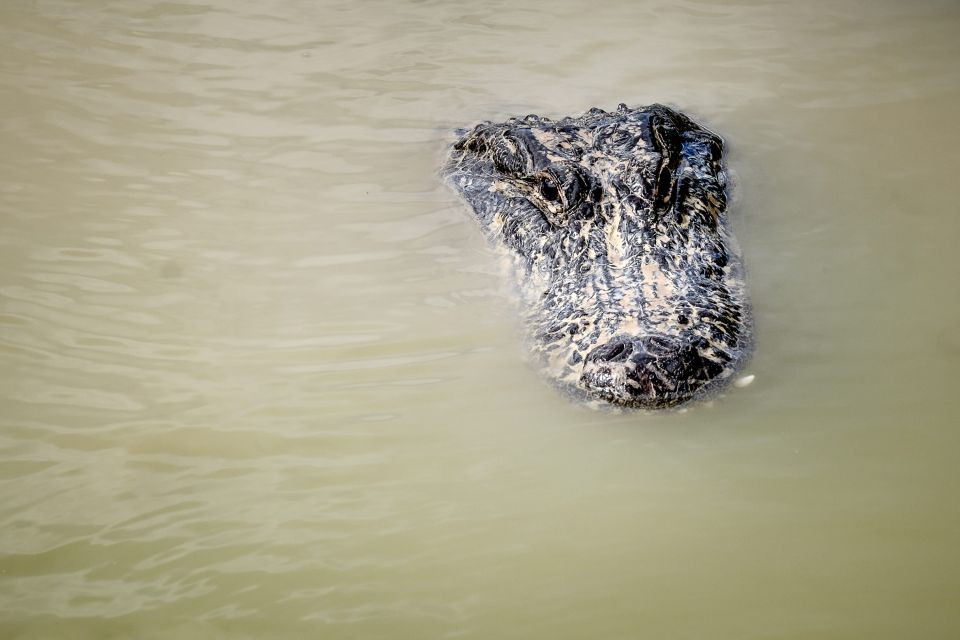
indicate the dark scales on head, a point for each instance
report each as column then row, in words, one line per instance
column 631, row 284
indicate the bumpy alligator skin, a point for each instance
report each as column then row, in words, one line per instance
column 631, row 284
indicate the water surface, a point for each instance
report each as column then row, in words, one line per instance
column 259, row 377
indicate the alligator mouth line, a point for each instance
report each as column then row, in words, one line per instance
column 631, row 285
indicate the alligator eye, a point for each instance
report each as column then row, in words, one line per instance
column 548, row 189
column 558, row 189
column 471, row 143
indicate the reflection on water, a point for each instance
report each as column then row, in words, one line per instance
column 259, row 377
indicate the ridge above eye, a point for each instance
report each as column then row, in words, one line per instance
column 510, row 155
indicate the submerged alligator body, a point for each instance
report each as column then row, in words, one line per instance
column 631, row 284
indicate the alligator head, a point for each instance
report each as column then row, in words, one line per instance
column 631, row 285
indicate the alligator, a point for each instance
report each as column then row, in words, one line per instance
column 631, row 285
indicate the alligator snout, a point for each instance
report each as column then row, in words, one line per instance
column 648, row 371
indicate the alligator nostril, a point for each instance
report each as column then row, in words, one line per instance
column 617, row 351
column 614, row 354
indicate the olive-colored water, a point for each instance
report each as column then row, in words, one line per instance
column 259, row 377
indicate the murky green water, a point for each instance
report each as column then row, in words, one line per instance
column 259, row 379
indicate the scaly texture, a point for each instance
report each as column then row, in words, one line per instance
column 632, row 288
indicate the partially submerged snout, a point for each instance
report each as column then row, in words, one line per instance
column 647, row 371
column 631, row 285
